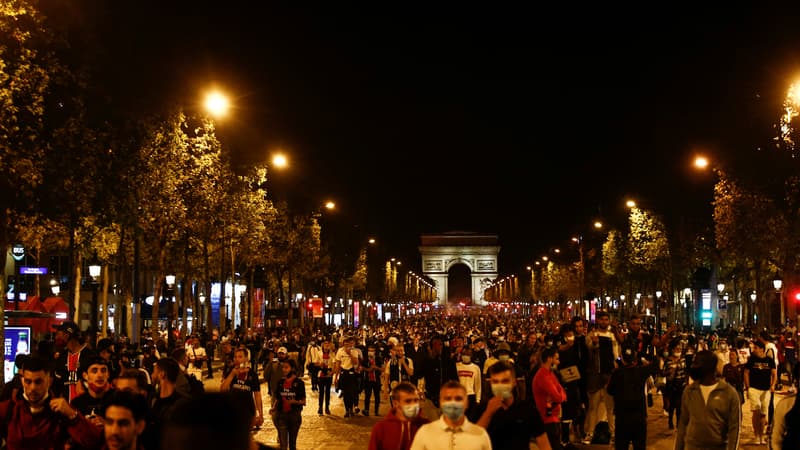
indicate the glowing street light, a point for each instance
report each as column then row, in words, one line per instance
column 280, row 160
column 630, row 204
column 216, row 103
column 701, row 162
column 329, row 205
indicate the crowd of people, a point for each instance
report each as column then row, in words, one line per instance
column 458, row 381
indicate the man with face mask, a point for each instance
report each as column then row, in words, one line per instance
column 510, row 421
column 396, row 431
column 710, row 410
column 453, row 430
column 549, row 395
column 469, row 375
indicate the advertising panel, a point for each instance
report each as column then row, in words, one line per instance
column 17, row 340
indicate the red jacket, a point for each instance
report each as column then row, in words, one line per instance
column 547, row 389
column 47, row 430
column 393, row 434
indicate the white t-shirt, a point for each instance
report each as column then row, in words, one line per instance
column 706, row 391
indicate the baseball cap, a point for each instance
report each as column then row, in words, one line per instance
column 68, row 326
column 282, row 350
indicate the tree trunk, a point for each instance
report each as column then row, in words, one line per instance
column 104, row 317
column 160, row 280
column 76, row 291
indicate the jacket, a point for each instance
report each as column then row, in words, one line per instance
column 393, row 434
column 47, row 429
column 548, row 395
column 712, row 426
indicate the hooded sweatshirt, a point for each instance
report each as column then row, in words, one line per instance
column 392, row 433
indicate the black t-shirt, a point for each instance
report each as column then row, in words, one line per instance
column 627, row 387
column 245, row 388
column 515, row 427
column 760, row 371
column 88, row 405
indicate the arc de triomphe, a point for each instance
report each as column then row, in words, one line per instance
column 478, row 252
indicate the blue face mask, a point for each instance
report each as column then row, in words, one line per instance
column 453, row 410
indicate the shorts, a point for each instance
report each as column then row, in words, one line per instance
column 759, row 400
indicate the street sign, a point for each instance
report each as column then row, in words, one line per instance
column 33, row 270
column 18, row 252
column 722, row 304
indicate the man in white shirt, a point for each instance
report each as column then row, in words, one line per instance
column 347, row 366
column 197, row 357
column 469, row 375
column 452, row 430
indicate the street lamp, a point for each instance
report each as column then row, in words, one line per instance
column 777, row 283
column 55, row 288
column 170, row 279
column 94, row 272
column 753, row 298
column 216, row 103
column 202, row 299
column 658, row 310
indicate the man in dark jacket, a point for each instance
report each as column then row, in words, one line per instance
column 437, row 370
column 38, row 419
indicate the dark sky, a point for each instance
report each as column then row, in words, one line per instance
column 528, row 122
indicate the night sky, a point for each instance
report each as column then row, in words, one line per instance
column 528, row 122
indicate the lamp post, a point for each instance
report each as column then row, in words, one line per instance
column 658, row 310
column 753, row 298
column 94, row 272
column 55, row 288
column 202, row 299
column 777, row 283
column 170, row 279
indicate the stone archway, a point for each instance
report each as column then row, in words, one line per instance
column 459, row 284
column 444, row 252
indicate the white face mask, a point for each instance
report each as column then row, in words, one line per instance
column 502, row 390
column 410, row 411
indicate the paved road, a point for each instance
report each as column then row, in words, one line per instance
column 333, row 431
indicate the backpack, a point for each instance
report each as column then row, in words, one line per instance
column 602, row 434
column 196, row 387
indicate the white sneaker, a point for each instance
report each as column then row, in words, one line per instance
column 587, row 439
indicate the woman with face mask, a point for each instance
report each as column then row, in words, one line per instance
column 675, row 373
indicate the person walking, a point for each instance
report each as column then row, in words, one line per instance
column 325, row 377
column 287, row 410
column 710, row 410
column 760, row 376
column 396, row 431
column 675, row 375
column 372, row 372
column 453, row 430
column 347, row 365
